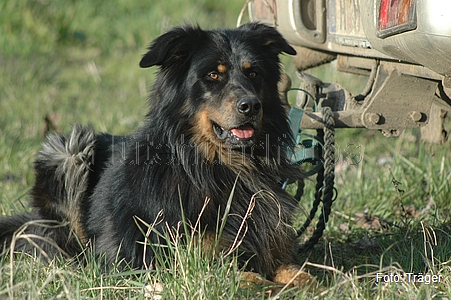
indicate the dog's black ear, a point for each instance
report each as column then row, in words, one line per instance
column 269, row 37
column 173, row 45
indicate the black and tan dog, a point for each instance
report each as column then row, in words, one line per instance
column 216, row 130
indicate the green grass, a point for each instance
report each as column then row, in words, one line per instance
column 79, row 61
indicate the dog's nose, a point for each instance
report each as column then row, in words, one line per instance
column 248, row 106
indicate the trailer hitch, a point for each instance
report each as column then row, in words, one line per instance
column 393, row 100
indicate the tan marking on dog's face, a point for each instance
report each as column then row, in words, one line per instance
column 204, row 136
column 247, row 65
column 222, row 68
column 206, row 140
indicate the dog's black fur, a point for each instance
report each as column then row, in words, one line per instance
column 216, row 129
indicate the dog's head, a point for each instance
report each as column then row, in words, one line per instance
column 228, row 79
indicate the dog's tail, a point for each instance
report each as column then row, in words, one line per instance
column 63, row 172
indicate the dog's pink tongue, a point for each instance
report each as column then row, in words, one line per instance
column 243, row 132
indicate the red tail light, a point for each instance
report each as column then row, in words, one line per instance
column 395, row 16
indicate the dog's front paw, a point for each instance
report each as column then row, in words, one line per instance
column 292, row 275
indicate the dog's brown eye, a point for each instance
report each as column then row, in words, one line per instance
column 213, row 75
column 252, row 74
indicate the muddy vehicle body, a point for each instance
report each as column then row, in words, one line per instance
column 403, row 46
